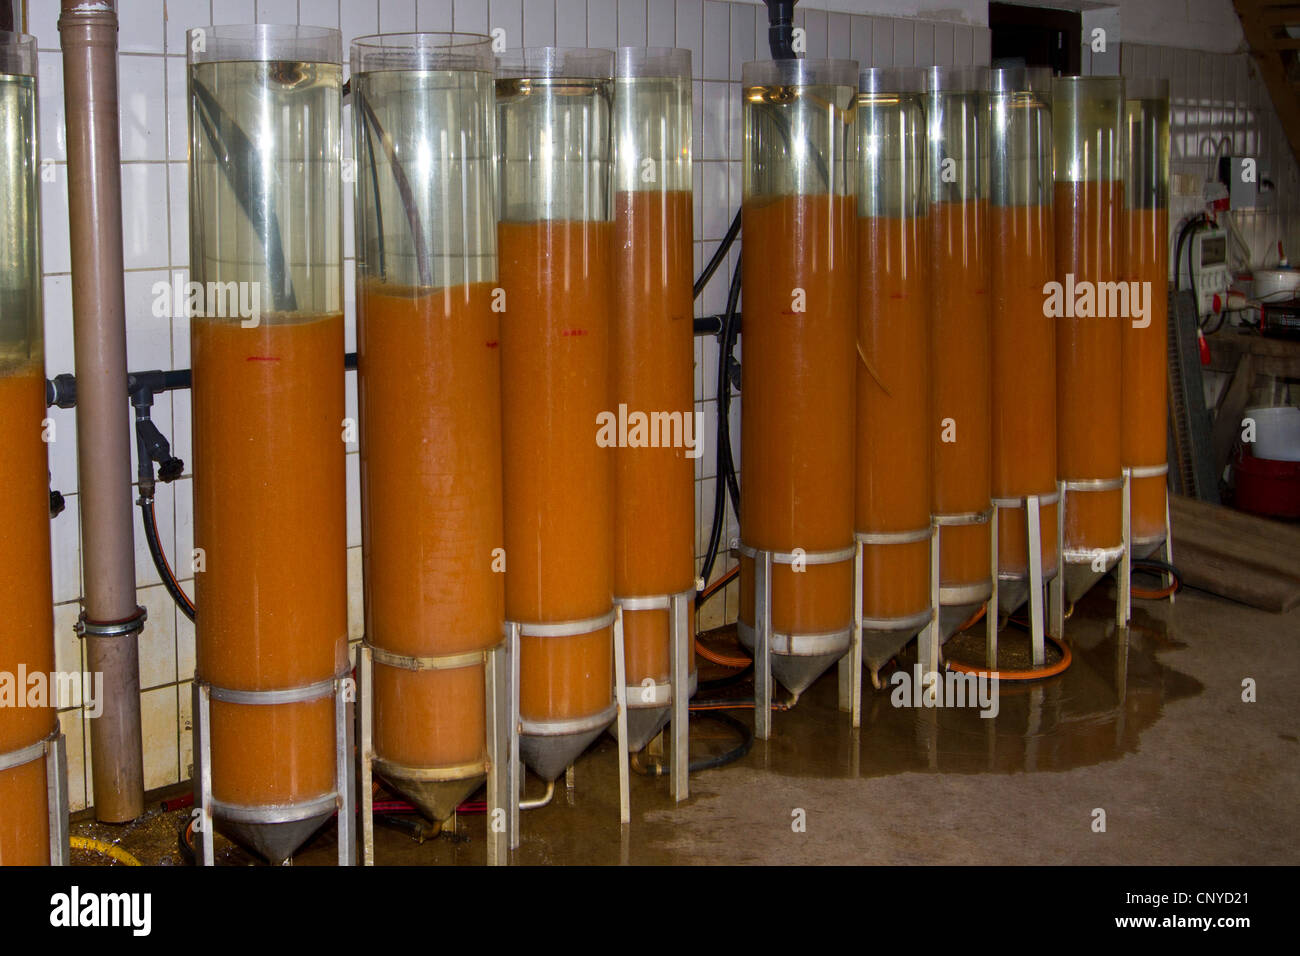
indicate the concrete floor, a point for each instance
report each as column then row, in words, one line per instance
column 1158, row 737
column 1153, row 731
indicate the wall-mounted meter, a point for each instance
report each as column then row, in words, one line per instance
column 1210, row 267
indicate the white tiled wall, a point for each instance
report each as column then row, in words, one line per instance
column 721, row 37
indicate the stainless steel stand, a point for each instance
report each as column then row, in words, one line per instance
column 962, row 595
column 1123, row 598
column 495, row 663
column 53, row 750
column 342, row 800
column 812, row 645
column 680, row 649
column 1033, row 505
column 516, row 725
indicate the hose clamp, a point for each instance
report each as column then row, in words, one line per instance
column 131, row 625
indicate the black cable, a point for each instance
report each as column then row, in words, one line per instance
column 1156, row 566
column 150, row 520
column 718, row 255
column 710, row 763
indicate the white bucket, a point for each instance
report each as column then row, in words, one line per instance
column 1277, row 432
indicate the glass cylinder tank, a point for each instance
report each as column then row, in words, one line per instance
column 25, row 586
column 960, row 254
column 653, row 363
column 429, row 394
column 893, row 380
column 1088, row 133
column 1023, row 337
column 799, row 291
column 555, row 234
column 267, row 347
column 1144, row 341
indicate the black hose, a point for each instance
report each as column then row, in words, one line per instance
column 718, row 255
column 1156, row 566
column 711, row 763
column 150, row 520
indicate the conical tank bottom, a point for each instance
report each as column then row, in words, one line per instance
column 1144, row 549
column 436, row 800
column 642, row 725
column 953, row 616
column 549, row 756
column 1080, row 578
column 797, row 674
column 880, row 647
column 1012, row 594
column 274, row 842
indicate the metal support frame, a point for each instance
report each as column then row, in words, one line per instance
column 763, row 635
column 680, row 639
column 513, row 785
column 342, row 799
column 493, row 660
column 1033, row 505
column 54, row 752
column 850, row 675
column 1123, row 592
column 942, row 521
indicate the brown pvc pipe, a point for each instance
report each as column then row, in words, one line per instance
column 89, row 39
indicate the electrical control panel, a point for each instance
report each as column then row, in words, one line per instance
column 1209, row 258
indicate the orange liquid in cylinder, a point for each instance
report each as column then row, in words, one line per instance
column 429, row 391
column 960, row 375
column 1089, row 245
column 653, row 365
column 270, row 516
column 1146, row 371
column 797, row 395
column 559, row 484
column 26, row 594
column 893, row 412
column 1023, row 345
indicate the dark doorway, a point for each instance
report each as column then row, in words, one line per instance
column 1036, row 36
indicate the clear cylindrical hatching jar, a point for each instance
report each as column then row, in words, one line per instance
column 25, row 580
column 653, row 362
column 266, row 323
column 1088, row 132
column 958, row 179
column 798, row 262
column 1144, row 339
column 893, row 381
column 555, row 233
column 1022, row 336
column 429, row 396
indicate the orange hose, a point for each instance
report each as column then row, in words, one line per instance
column 1031, row 674
column 722, row 660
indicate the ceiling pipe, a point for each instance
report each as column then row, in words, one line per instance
column 110, row 619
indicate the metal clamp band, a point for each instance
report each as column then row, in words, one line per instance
column 799, row 645
column 652, row 602
column 132, row 625
column 893, row 537
column 1148, row 471
column 888, row 624
column 1088, row 555
column 663, row 693
column 575, row 725
column 25, row 755
column 440, row 662
column 1047, row 498
column 957, row 595
column 807, row 558
column 287, row 695
column 963, row 518
column 275, row 813
column 431, row 774
column 1094, row 484
column 568, row 628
